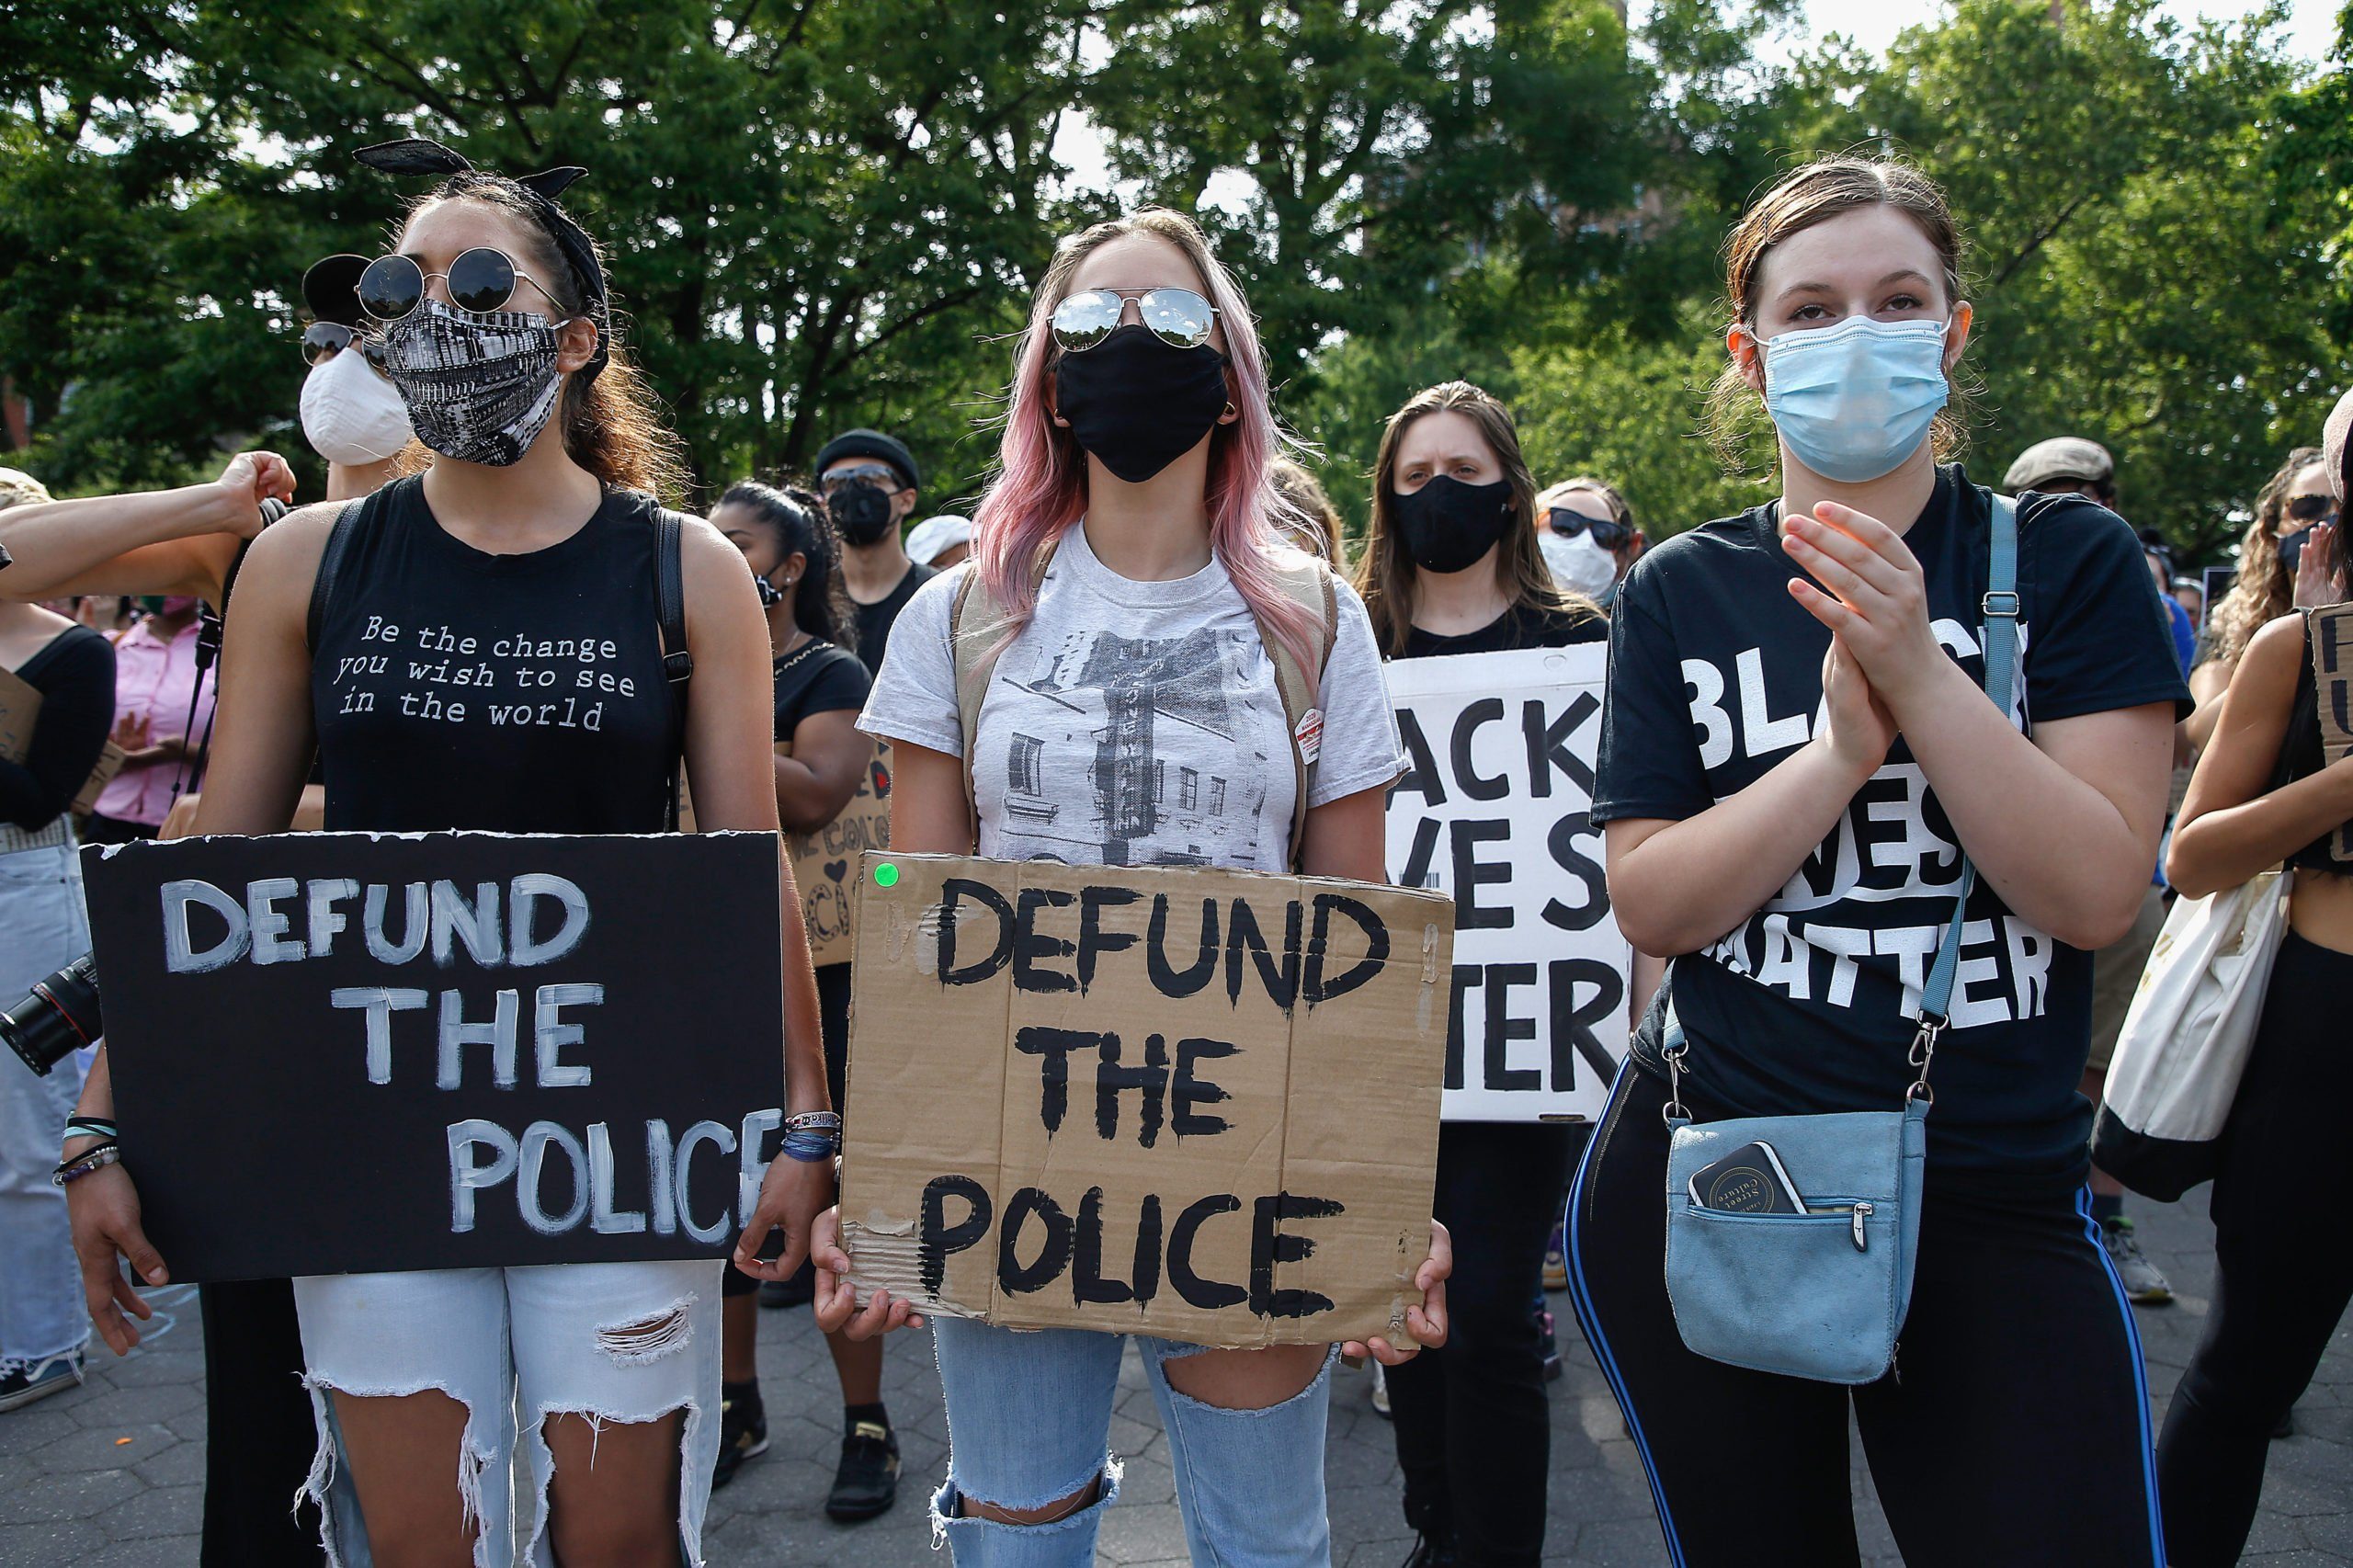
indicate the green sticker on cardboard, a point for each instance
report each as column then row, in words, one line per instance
column 886, row 875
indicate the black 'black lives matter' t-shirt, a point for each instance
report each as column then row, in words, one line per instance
column 1809, row 1005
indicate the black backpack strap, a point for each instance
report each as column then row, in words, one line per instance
column 677, row 661
column 323, row 586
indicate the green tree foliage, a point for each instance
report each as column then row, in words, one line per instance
column 817, row 214
column 2140, row 275
column 831, row 211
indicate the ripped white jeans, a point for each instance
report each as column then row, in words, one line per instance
column 518, row 1342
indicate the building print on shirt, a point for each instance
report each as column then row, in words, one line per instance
column 1868, row 906
column 1151, row 725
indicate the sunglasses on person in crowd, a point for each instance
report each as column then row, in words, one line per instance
column 882, row 476
column 1176, row 316
column 2310, row 509
column 481, row 280
column 322, row 340
column 1608, row 532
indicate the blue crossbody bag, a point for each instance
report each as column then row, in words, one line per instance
column 1821, row 1294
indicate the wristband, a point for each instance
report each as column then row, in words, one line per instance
column 86, row 1163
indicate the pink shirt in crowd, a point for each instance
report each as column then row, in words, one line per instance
column 153, row 679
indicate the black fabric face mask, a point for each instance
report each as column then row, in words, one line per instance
column 861, row 512
column 1138, row 403
column 1447, row 525
column 2292, row 549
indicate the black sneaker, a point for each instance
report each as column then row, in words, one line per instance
column 867, row 1483
column 21, row 1382
column 743, row 1431
column 1432, row 1551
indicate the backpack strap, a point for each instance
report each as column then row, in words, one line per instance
column 977, row 627
column 677, row 660
column 1311, row 584
column 323, row 586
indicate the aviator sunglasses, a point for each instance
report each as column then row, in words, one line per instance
column 1178, row 317
column 2310, row 509
column 1608, row 532
column 322, row 340
column 481, row 280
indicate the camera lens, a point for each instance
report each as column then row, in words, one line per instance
column 58, row 1017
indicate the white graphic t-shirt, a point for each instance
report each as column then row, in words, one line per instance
column 1135, row 724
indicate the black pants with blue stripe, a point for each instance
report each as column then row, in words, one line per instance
column 2015, row 1431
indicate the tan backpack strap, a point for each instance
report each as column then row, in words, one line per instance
column 976, row 637
column 1312, row 584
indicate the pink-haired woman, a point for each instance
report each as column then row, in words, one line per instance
column 1129, row 541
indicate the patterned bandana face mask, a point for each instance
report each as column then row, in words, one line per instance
column 478, row 388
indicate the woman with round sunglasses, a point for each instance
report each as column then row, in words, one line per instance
column 2266, row 794
column 1128, row 536
column 534, row 521
column 1797, row 753
column 1450, row 565
column 2272, row 580
column 1588, row 534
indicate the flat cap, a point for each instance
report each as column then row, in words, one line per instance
column 2062, row 457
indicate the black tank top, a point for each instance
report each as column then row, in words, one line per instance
column 453, row 689
column 2301, row 755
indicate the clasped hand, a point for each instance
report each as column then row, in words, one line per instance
column 1884, row 658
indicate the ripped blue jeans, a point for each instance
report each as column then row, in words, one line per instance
column 1029, row 1423
column 623, row 1342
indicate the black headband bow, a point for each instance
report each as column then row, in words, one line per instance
column 415, row 156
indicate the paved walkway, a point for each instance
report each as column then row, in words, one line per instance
column 106, row 1476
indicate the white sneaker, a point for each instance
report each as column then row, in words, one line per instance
column 1380, row 1391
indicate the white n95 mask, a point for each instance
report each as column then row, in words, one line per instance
column 351, row 415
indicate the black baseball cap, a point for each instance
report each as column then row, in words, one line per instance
column 331, row 289
column 870, row 444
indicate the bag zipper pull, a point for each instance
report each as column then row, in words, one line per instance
column 1861, row 1212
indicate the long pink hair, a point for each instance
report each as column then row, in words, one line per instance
column 1040, row 488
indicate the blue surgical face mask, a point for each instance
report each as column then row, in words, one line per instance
column 1853, row 400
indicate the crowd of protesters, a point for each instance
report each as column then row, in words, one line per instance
column 478, row 409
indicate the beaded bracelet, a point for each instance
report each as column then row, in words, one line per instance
column 86, row 1163
column 808, row 1147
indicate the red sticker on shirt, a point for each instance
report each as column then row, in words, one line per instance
column 1310, row 734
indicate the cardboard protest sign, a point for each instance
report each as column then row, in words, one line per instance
column 1179, row 1101
column 110, row 760
column 1492, row 812
column 824, row 863
column 2333, row 682
column 343, row 1051
column 20, row 708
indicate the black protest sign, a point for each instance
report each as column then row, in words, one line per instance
column 2331, row 632
column 338, row 1052
column 1492, row 812
column 1194, row 1103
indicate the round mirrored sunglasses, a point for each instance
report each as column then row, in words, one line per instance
column 481, row 280
column 1176, row 316
column 322, row 340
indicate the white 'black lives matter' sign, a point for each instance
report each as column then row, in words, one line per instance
column 338, row 1052
column 1492, row 810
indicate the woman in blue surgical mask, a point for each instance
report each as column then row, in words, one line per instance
column 1798, row 763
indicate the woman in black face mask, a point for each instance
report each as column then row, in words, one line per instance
column 1453, row 567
